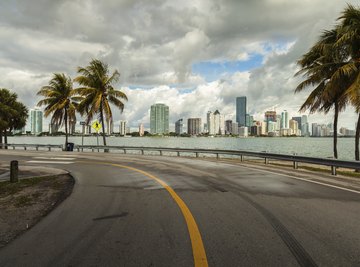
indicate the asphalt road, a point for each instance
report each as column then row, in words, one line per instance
column 129, row 210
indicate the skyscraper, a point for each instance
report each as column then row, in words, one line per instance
column 179, row 126
column 141, row 129
column 284, row 120
column 36, row 118
column 159, row 119
column 194, row 126
column 123, row 128
column 215, row 123
column 228, row 127
column 241, row 110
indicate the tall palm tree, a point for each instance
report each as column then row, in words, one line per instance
column 349, row 40
column 97, row 89
column 60, row 101
column 322, row 67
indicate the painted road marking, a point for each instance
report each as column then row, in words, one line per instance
column 49, row 162
column 53, row 158
column 198, row 249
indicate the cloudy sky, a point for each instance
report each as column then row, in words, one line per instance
column 193, row 55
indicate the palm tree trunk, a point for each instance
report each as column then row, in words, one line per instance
column 357, row 135
column 102, row 122
column 5, row 139
column 66, row 128
column 336, row 115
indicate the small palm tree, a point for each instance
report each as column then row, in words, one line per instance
column 60, row 101
column 98, row 92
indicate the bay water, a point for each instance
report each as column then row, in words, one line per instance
column 304, row 146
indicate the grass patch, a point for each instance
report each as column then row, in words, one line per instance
column 23, row 201
column 7, row 188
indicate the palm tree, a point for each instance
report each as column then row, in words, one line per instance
column 349, row 40
column 60, row 101
column 323, row 68
column 98, row 92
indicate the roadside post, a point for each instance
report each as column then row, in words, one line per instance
column 14, row 171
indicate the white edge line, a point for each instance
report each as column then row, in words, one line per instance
column 306, row 180
column 53, row 158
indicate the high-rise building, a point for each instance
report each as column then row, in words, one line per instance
column 36, row 120
column 284, row 120
column 159, row 119
column 271, row 127
column 314, row 130
column 123, row 128
column 243, row 131
column 228, row 127
column 235, row 128
column 241, row 110
column 194, row 126
column 219, row 123
column 304, row 126
column 141, row 129
column 210, row 123
column 179, row 126
column 294, row 127
column 270, row 116
column 110, row 127
column 215, row 123
column 299, row 121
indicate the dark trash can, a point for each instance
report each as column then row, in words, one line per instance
column 70, row 147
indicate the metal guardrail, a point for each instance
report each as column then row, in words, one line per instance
column 333, row 163
column 26, row 146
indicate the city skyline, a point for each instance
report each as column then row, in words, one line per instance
column 193, row 61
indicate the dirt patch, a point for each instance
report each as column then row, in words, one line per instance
column 24, row 203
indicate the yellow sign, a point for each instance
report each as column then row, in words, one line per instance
column 96, row 125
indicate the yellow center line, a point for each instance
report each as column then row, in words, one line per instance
column 198, row 249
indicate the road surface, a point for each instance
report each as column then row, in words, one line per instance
column 132, row 210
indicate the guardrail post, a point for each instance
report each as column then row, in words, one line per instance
column 178, row 154
column 333, row 170
column 14, row 171
column 217, row 156
column 241, row 158
column 142, row 151
column 295, row 163
column 197, row 154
